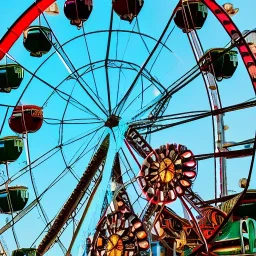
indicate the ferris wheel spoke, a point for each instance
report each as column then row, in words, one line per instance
column 77, row 156
column 75, row 103
column 38, row 161
column 81, row 81
column 26, row 210
column 163, row 44
column 72, row 69
column 143, row 90
column 144, row 123
column 62, row 124
column 5, row 118
column 88, row 202
column 33, row 182
column 132, row 176
column 46, row 156
column 59, row 92
column 92, row 69
column 227, row 154
column 138, row 28
column 89, row 56
column 88, row 198
column 33, row 204
column 152, row 81
column 122, row 60
column 55, row 89
column 76, row 196
column 127, row 43
column 180, row 83
column 188, row 118
column 73, row 140
column 62, row 247
column 63, row 115
column 146, row 74
column 106, row 61
column 160, row 103
column 85, row 151
column 6, row 106
column 123, row 100
column 55, row 121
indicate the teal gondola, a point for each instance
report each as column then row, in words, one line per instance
column 18, row 197
column 25, row 252
column 37, row 40
column 220, row 63
column 11, row 76
column 10, row 149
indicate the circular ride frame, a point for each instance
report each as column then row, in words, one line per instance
column 236, row 37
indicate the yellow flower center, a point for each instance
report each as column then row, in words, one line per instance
column 115, row 246
column 166, row 170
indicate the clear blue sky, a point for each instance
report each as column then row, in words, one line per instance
column 168, row 68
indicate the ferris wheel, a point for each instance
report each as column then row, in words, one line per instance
column 125, row 129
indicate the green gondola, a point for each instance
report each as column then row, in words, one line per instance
column 25, row 252
column 192, row 15
column 11, row 76
column 223, row 64
column 236, row 238
column 18, row 196
column 38, row 40
column 10, row 149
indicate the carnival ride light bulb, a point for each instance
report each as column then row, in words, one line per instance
column 252, row 68
column 166, row 170
column 252, row 71
column 185, row 183
column 120, row 203
column 243, row 183
column 141, row 234
column 252, row 48
column 113, row 186
column 99, row 242
column 137, row 225
column 53, row 9
column 144, row 244
column 229, row 8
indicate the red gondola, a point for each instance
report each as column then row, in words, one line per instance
column 77, row 11
column 191, row 15
column 26, row 118
column 127, row 9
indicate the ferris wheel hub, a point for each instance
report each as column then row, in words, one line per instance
column 112, row 121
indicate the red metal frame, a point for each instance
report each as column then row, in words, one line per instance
column 234, row 33
column 21, row 24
